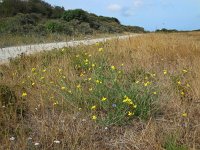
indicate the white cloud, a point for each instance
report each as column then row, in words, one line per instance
column 114, row 7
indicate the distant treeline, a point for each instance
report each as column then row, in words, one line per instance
column 166, row 30
column 37, row 16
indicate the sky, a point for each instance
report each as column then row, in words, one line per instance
column 150, row 14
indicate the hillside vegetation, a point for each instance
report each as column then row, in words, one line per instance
column 139, row 93
column 40, row 18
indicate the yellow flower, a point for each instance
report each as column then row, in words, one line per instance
column 100, row 49
column 41, row 78
column 130, row 113
column 78, row 86
column 119, row 71
column 147, row 83
column 122, row 64
column 104, row 99
column 187, row 85
column 113, row 67
column 97, row 43
column 153, row 75
column 63, row 88
column 86, row 60
column 184, row 71
column 89, row 79
column 55, row 103
column 127, row 100
column 93, row 107
column 94, row 117
column 44, row 70
column 184, row 115
column 154, row 93
column 90, row 89
column 33, row 84
column 79, row 109
column 70, row 91
column 33, row 69
column 60, row 70
column 97, row 81
column 182, row 93
column 24, row 94
column 64, row 77
column 125, row 96
column 137, row 82
column 179, row 82
column 81, row 75
column 135, row 106
column 164, row 72
column 93, row 65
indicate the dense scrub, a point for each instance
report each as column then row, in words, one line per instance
column 39, row 17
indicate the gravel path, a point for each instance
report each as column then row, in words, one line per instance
column 12, row 52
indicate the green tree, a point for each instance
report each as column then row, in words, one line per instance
column 77, row 14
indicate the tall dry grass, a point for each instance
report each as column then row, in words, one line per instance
column 46, row 115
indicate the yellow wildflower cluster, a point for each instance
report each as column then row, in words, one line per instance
column 130, row 113
column 127, row 100
column 24, row 94
column 104, row 99
column 98, row 81
column 94, row 117
column 147, row 83
column 86, row 61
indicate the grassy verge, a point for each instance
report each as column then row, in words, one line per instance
column 18, row 40
column 138, row 93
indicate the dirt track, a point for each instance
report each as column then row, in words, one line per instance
column 12, row 52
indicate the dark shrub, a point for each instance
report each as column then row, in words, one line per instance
column 78, row 14
column 7, row 96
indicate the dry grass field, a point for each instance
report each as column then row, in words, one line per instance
column 142, row 93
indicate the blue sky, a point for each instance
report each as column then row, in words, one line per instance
column 150, row 14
